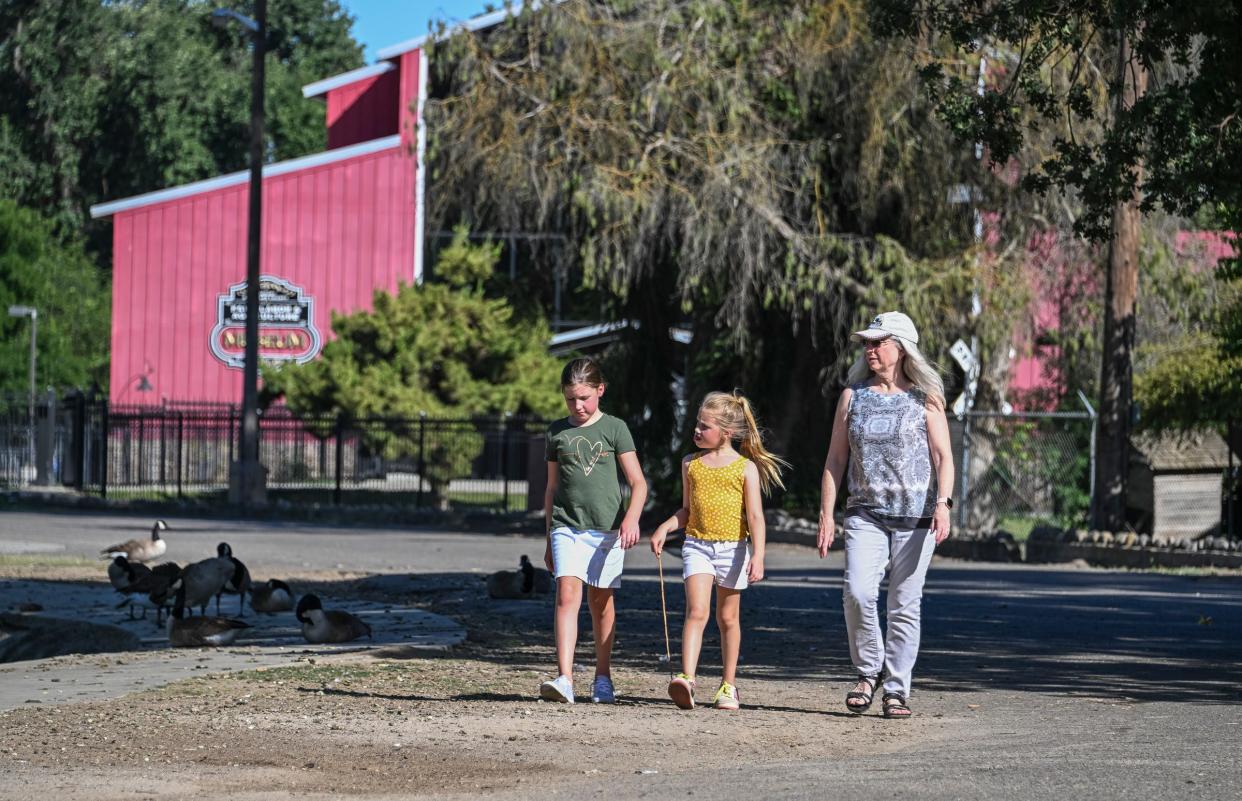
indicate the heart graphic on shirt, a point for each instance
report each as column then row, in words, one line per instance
column 596, row 450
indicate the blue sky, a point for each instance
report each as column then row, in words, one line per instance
column 379, row 23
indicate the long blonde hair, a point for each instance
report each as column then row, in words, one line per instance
column 732, row 412
column 914, row 365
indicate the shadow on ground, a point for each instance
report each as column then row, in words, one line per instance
column 1097, row 634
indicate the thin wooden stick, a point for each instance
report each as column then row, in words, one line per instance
column 668, row 653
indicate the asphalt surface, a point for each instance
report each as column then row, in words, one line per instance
column 1052, row 683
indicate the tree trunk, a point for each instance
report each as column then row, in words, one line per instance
column 1116, row 376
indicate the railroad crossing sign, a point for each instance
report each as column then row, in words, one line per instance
column 966, row 359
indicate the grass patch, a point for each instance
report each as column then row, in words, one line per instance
column 1019, row 527
column 45, row 560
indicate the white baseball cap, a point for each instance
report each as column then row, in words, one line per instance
column 889, row 324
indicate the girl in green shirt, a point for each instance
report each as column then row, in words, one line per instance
column 589, row 453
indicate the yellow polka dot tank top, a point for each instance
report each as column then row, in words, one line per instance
column 717, row 502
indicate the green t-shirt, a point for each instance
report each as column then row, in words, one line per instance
column 588, row 489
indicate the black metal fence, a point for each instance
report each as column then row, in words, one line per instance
column 186, row 452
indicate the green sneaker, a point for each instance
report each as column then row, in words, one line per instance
column 726, row 697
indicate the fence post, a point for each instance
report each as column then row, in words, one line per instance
column 78, row 453
column 103, row 470
column 422, row 458
column 163, row 448
column 180, row 447
column 1231, row 479
column 1091, row 458
column 340, row 457
column 504, row 459
column 963, row 516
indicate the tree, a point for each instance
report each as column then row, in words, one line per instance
column 765, row 174
column 1169, row 138
column 104, row 100
column 439, row 349
column 60, row 282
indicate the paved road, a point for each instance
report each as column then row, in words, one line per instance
column 1053, row 683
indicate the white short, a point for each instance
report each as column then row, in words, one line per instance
column 726, row 561
column 595, row 557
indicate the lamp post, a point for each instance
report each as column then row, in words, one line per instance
column 248, row 485
column 33, row 314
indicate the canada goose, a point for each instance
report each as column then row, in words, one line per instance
column 122, row 574
column 197, row 631
column 238, row 583
column 204, row 580
column 139, row 550
column 156, row 588
column 272, row 595
column 328, row 625
column 525, row 582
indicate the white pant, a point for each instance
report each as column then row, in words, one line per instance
column 871, row 547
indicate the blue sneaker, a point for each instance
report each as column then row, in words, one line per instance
column 560, row 689
column 602, row 691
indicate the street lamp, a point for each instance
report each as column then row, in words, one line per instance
column 33, row 314
column 247, row 483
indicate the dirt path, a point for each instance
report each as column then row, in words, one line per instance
column 370, row 727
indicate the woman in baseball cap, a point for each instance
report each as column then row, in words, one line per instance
column 890, row 432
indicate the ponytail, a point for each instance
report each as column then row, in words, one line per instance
column 733, row 413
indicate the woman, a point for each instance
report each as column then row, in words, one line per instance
column 891, row 432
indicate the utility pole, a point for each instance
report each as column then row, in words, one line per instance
column 248, row 480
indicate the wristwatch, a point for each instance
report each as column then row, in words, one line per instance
column 946, row 500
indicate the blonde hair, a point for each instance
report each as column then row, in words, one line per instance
column 733, row 414
column 914, row 365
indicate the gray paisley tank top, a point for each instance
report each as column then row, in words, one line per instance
column 890, row 459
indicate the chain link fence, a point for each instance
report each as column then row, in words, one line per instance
column 1018, row 470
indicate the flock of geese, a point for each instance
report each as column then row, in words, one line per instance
column 171, row 589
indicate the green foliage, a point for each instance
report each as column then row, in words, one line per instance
column 1191, row 383
column 56, row 278
column 1179, row 145
column 106, row 100
column 440, row 349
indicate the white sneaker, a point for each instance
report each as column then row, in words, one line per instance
column 602, row 691
column 560, row 689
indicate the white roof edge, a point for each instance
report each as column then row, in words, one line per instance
column 345, row 78
column 576, row 334
column 234, row 178
column 473, row 24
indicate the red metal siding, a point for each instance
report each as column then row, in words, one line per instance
column 363, row 110
column 338, row 231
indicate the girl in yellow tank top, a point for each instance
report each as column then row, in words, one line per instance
column 721, row 509
column 717, row 501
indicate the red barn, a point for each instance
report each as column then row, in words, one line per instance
column 337, row 226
